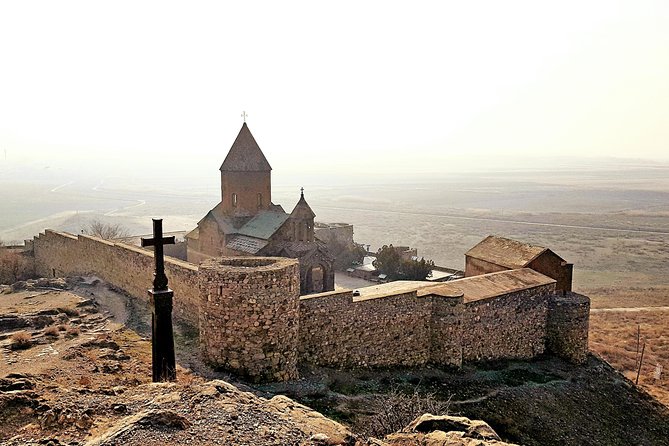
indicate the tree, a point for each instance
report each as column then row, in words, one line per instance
column 393, row 411
column 389, row 262
column 346, row 254
column 417, row 269
column 107, row 231
column 14, row 266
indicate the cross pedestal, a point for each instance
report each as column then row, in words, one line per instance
column 162, row 338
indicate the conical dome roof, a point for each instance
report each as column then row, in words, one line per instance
column 245, row 154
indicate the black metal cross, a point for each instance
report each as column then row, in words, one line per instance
column 158, row 241
column 162, row 337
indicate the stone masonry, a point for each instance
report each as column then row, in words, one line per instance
column 253, row 321
column 249, row 315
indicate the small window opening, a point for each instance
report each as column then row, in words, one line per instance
column 259, row 200
column 220, row 290
column 234, row 200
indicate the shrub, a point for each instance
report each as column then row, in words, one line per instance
column 21, row 340
column 71, row 312
column 394, row 410
column 52, row 330
column 73, row 331
column 14, row 266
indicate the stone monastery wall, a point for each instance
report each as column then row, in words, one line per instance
column 128, row 267
column 252, row 320
column 336, row 332
column 405, row 329
column 508, row 326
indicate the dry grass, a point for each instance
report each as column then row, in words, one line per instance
column 73, row 331
column 52, row 331
column 613, row 335
column 21, row 340
column 71, row 312
column 628, row 297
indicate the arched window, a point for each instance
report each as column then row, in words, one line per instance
column 234, row 200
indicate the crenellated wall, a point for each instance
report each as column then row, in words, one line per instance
column 252, row 320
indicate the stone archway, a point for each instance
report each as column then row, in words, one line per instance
column 316, row 278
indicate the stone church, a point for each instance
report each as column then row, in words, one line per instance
column 247, row 223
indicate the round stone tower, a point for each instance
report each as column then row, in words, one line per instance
column 249, row 314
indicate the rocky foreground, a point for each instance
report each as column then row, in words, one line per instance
column 72, row 375
column 75, row 367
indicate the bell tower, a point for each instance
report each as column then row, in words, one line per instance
column 246, row 177
column 302, row 221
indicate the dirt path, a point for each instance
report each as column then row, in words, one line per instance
column 627, row 309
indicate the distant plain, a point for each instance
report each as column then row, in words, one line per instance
column 610, row 220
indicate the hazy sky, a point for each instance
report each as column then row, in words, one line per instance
column 334, row 85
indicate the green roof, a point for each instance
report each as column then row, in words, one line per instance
column 263, row 225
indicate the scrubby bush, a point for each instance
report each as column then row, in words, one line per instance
column 52, row 331
column 21, row 340
column 394, row 410
column 73, row 331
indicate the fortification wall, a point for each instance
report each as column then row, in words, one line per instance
column 127, row 267
column 338, row 332
column 512, row 325
column 253, row 321
column 249, row 315
column 338, row 233
column 446, row 330
column 567, row 329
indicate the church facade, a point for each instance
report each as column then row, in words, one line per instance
column 247, row 223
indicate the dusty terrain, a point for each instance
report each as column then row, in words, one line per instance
column 621, row 323
column 83, row 378
column 75, row 369
column 93, row 385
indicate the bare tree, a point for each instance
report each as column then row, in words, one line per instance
column 394, row 410
column 107, row 231
column 14, row 266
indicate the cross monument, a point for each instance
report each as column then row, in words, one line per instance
column 162, row 338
